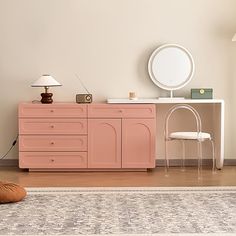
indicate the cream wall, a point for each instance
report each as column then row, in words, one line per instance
column 107, row 43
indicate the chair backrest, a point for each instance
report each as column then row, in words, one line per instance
column 186, row 107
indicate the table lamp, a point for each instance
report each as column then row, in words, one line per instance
column 46, row 81
column 234, row 38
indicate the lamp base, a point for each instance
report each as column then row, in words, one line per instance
column 46, row 98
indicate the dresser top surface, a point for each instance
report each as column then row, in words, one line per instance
column 162, row 100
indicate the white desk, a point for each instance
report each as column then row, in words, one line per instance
column 210, row 110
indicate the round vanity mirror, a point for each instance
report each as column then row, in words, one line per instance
column 171, row 67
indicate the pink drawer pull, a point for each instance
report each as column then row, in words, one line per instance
column 52, row 143
column 52, row 126
column 120, row 111
column 52, row 160
column 51, row 110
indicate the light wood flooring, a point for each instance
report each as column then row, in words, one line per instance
column 156, row 177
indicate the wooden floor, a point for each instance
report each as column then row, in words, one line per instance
column 156, row 177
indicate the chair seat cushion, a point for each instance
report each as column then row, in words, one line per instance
column 10, row 192
column 190, row 135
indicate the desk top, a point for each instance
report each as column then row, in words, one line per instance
column 163, row 100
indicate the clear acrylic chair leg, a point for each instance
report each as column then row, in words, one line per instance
column 166, row 157
column 213, row 157
column 183, row 155
column 199, row 158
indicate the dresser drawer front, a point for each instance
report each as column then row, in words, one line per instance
column 52, row 110
column 53, row 160
column 121, row 111
column 52, row 143
column 53, row 126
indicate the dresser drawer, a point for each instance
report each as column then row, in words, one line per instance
column 53, row 126
column 52, row 143
column 52, row 110
column 53, row 160
column 121, row 111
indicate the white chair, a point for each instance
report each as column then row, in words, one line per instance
column 198, row 136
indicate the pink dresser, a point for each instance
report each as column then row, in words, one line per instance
column 71, row 136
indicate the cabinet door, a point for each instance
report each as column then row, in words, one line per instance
column 138, row 143
column 104, row 143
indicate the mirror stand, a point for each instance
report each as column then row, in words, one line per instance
column 171, row 96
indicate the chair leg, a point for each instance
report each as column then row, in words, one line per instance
column 183, row 154
column 199, row 158
column 166, row 157
column 213, row 156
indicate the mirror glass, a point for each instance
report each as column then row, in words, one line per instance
column 171, row 67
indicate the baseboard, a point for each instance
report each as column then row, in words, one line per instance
column 230, row 162
column 159, row 162
column 193, row 162
column 9, row 163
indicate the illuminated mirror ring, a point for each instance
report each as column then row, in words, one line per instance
column 171, row 67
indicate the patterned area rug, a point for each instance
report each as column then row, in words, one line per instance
column 122, row 211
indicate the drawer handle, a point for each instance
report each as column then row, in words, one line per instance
column 52, row 160
column 52, row 126
column 51, row 110
column 52, row 143
column 120, row 111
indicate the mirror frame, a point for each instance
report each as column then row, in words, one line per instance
column 155, row 79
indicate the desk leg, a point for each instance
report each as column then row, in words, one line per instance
column 218, row 118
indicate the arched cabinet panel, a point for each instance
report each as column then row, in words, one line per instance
column 138, row 143
column 104, row 141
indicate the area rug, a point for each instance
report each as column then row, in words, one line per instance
column 122, row 211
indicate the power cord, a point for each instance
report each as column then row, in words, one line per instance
column 13, row 144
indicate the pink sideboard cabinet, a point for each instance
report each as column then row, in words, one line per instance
column 70, row 136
